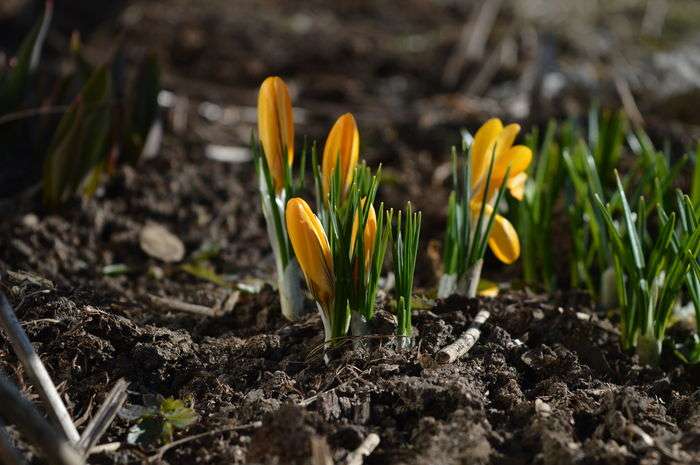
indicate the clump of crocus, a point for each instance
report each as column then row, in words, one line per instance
column 347, row 240
column 492, row 166
column 274, row 156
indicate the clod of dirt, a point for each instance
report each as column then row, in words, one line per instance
column 284, row 438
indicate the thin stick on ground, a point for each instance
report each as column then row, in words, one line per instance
column 465, row 342
column 159, row 455
column 104, row 416
column 36, row 370
column 169, row 303
column 15, row 409
column 357, row 456
column 105, row 448
column 8, row 454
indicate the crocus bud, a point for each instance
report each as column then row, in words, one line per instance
column 311, row 249
column 343, row 141
column 276, row 127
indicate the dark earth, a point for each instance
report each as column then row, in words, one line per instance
column 547, row 383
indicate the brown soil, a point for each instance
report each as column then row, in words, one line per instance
column 547, row 383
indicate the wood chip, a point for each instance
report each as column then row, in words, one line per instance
column 160, row 243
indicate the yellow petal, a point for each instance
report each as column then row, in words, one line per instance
column 311, row 249
column 482, row 147
column 516, row 185
column 506, row 138
column 369, row 235
column 518, row 158
column 487, row 288
column 503, row 241
column 343, row 140
column 276, row 127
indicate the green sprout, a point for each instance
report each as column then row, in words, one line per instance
column 688, row 220
column 650, row 274
column 589, row 166
column 357, row 257
column 535, row 213
column 405, row 252
column 157, row 421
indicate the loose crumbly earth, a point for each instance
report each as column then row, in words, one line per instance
column 547, row 382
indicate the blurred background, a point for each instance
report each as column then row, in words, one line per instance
column 414, row 72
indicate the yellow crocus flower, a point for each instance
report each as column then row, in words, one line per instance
column 312, row 250
column 276, row 127
column 343, row 140
column 494, row 139
column 503, row 240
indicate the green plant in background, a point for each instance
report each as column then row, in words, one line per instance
column 492, row 165
column 651, row 174
column 650, row 273
column 590, row 252
column 100, row 130
column 654, row 172
column 17, row 79
column 101, row 122
column 688, row 222
column 80, row 142
column 405, row 252
column 589, row 166
column 695, row 181
column 535, row 213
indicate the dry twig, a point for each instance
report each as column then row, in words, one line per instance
column 104, row 448
column 36, row 370
column 472, row 43
column 465, row 342
column 357, row 456
column 15, row 409
column 173, row 304
column 104, row 417
column 628, row 102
